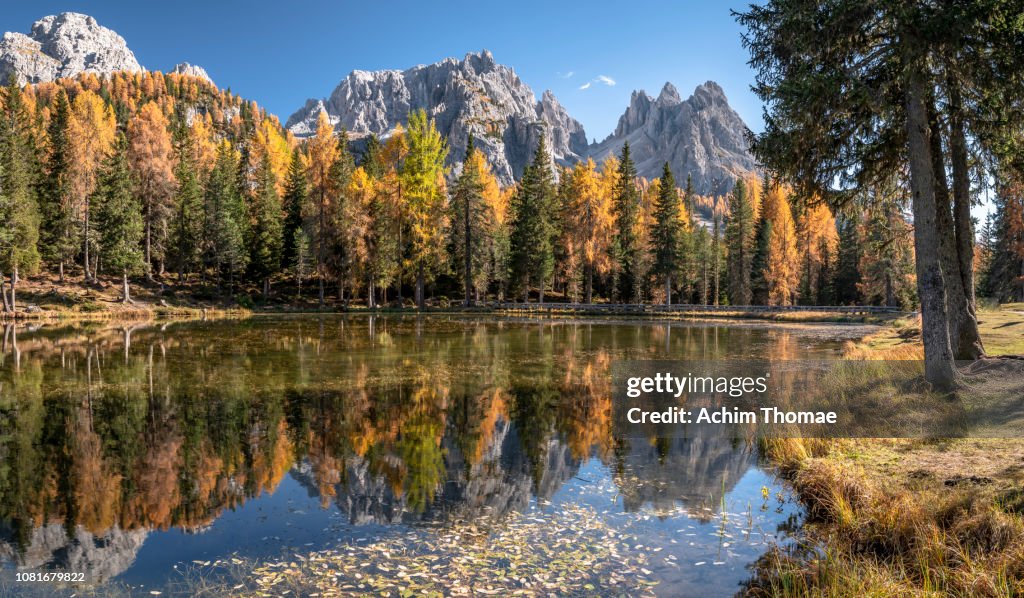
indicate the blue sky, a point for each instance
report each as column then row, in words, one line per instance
column 281, row 53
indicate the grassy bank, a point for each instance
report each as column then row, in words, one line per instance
column 907, row 517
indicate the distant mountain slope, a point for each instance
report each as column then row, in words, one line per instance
column 701, row 136
column 474, row 95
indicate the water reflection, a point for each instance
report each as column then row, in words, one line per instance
column 108, row 433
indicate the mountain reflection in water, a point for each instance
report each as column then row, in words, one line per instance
column 111, row 432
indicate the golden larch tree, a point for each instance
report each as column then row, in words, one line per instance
column 92, row 130
column 151, row 155
column 782, row 273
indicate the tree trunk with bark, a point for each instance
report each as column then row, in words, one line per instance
column 668, row 290
column 85, row 261
column 149, row 243
column 125, row 291
column 3, row 293
column 938, row 356
column 420, row 286
column 588, row 289
column 970, row 344
column 14, row 286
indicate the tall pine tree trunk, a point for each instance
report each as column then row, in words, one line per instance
column 668, row 289
column 14, row 286
column 468, row 254
column 61, row 275
column 717, row 258
column 420, row 284
column 149, row 242
column 588, row 290
column 85, row 261
column 970, row 345
column 125, row 292
column 963, row 327
column 938, row 355
column 3, row 293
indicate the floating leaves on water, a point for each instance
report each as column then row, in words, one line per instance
column 573, row 553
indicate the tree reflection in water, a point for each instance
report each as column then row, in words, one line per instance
column 107, row 432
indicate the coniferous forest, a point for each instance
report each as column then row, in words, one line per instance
column 164, row 178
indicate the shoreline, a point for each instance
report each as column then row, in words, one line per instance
column 546, row 312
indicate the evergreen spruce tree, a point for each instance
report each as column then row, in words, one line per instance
column 187, row 219
column 19, row 208
column 469, row 222
column 739, row 240
column 296, row 194
column 224, row 226
column 759, row 262
column 626, row 245
column 303, row 262
column 826, row 291
column 341, row 245
column 847, row 276
column 667, row 235
column 716, row 256
column 57, row 233
column 532, row 256
column 119, row 218
column 372, row 159
column 1004, row 275
column 265, row 239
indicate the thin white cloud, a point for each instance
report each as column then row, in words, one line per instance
column 602, row 79
column 566, row 75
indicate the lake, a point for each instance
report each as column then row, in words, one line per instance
column 145, row 456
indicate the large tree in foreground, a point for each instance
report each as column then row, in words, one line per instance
column 859, row 92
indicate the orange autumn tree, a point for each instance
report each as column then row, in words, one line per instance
column 817, row 240
column 588, row 221
column 321, row 152
column 782, row 273
column 91, row 133
column 151, row 156
column 358, row 238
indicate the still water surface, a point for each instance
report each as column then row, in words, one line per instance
column 139, row 454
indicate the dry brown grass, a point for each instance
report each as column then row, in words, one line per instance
column 905, row 517
column 879, row 535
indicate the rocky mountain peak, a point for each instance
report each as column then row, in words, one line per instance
column 710, row 93
column 64, row 45
column 193, row 70
column 669, row 95
column 475, row 95
column 701, row 136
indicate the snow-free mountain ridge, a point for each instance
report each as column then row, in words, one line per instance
column 701, row 136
